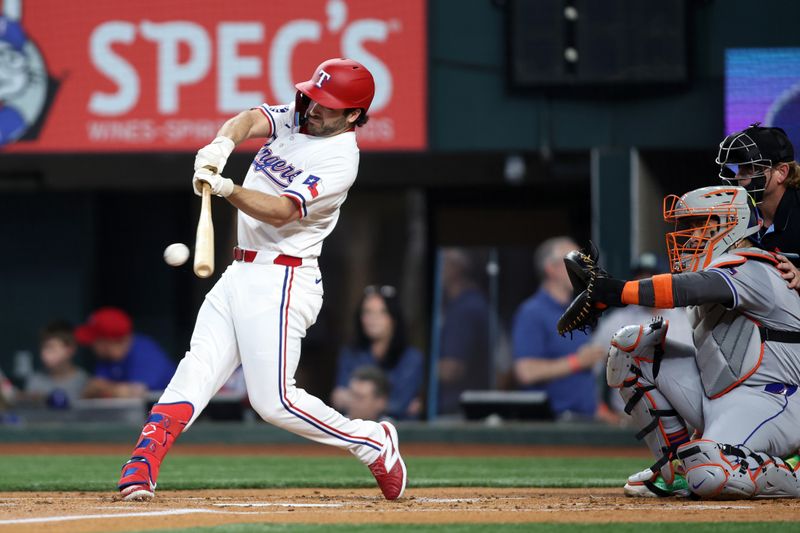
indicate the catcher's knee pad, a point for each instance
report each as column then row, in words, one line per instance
column 632, row 345
column 715, row 470
column 661, row 428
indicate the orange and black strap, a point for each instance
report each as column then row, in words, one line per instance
column 650, row 292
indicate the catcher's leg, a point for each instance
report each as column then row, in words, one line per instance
column 746, row 431
column 634, row 360
column 763, row 418
column 715, row 470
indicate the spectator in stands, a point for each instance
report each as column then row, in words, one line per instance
column 368, row 391
column 60, row 382
column 8, row 393
column 381, row 342
column 464, row 338
column 128, row 364
column 544, row 360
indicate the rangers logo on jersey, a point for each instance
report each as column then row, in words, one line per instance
column 275, row 168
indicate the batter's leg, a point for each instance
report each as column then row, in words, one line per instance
column 269, row 332
column 210, row 361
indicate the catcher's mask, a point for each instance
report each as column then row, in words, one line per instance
column 708, row 222
column 745, row 156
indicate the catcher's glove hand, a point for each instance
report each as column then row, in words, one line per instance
column 594, row 291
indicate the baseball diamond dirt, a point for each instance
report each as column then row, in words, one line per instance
column 84, row 511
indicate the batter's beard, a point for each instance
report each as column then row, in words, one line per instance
column 327, row 130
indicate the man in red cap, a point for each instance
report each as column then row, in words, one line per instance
column 128, row 364
column 258, row 312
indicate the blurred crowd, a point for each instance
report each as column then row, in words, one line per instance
column 126, row 364
column 379, row 374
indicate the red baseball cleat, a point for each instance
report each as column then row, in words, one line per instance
column 136, row 483
column 389, row 469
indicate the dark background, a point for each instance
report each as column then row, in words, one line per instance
column 79, row 231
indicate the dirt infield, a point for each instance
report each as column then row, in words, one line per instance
column 84, row 512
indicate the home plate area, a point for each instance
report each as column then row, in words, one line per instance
column 87, row 511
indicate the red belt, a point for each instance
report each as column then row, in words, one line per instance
column 249, row 256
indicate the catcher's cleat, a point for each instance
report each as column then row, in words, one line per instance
column 389, row 469
column 647, row 484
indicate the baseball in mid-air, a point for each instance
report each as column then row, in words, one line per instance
column 176, row 254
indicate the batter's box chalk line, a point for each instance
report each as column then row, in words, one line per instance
column 67, row 518
column 278, row 504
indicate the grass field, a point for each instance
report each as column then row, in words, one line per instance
column 100, row 473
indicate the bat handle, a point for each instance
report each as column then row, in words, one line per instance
column 205, row 202
column 204, row 242
column 205, row 188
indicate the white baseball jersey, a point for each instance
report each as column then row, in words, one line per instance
column 314, row 172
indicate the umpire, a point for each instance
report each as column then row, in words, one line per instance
column 762, row 160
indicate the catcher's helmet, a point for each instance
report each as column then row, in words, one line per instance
column 708, row 222
column 747, row 154
column 340, row 84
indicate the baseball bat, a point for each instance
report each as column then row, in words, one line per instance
column 204, row 240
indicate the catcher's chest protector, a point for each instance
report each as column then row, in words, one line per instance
column 728, row 343
column 728, row 347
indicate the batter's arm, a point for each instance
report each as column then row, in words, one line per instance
column 246, row 125
column 276, row 211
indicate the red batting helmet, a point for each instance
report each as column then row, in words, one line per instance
column 340, row 84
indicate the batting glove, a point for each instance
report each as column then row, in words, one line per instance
column 219, row 186
column 215, row 154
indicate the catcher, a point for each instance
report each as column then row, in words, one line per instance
column 737, row 386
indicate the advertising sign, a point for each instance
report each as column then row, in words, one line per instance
column 163, row 75
column 763, row 85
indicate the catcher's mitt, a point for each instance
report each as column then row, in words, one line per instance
column 583, row 271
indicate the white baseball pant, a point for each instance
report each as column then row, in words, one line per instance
column 256, row 315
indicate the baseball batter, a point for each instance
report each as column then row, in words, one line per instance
column 258, row 312
column 738, row 385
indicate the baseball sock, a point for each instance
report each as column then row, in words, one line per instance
column 163, row 426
